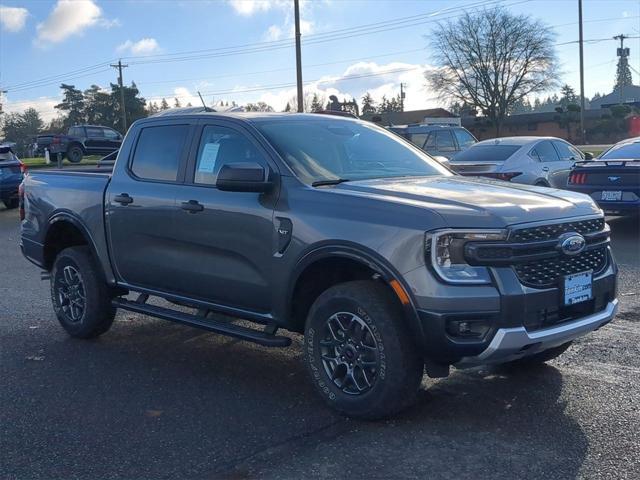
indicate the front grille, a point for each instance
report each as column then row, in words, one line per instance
column 553, row 231
column 545, row 273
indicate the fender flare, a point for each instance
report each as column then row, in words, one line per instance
column 73, row 219
column 367, row 257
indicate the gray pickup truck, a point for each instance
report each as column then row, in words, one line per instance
column 389, row 263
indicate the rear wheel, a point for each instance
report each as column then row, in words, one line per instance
column 75, row 153
column 359, row 353
column 81, row 298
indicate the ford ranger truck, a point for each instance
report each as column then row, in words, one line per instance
column 388, row 263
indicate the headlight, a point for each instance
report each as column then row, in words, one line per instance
column 445, row 249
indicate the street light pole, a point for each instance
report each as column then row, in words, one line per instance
column 583, row 138
column 296, row 8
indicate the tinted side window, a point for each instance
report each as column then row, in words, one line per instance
column 430, row 144
column 75, row 131
column 418, row 139
column 566, row 151
column 110, row 134
column 157, row 155
column 546, row 152
column 445, row 141
column 219, row 146
column 465, row 140
column 93, row 132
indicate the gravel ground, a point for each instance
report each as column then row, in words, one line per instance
column 152, row 400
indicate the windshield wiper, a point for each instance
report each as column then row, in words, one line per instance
column 331, row 181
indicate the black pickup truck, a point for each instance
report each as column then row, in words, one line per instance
column 388, row 262
column 80, row 140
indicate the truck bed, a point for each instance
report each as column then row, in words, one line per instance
column 76, row 194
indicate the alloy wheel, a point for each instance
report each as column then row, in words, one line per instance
column 349, row 353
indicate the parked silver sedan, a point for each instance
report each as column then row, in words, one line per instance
column 542, row 161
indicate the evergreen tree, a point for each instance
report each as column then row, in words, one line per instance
column 72, row 104
column 623, row 74
column 567, row 96
column 176, row 103
column 164, row 105
column 22, row 129
column 287, row 108
column 189, row 104
column 100, row 107
column 368, row 104
column 316, row 104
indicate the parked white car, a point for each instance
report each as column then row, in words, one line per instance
column 542, row 161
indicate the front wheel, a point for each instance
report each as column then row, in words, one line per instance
column 359, row 352
column 80, row 296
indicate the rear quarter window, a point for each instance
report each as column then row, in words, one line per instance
column 158, row 151
column 486, row 153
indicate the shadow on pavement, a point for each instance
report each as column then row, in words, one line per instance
column 156, row 400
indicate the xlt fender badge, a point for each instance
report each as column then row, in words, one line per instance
column 284, row 228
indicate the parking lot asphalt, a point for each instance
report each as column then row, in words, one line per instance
column 151, row 399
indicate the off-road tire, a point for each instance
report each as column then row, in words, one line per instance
column 75, row 154
column 399, row 368
column 542, row 357
column 97, row 313
column 11, row 203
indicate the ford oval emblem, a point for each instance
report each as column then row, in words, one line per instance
column 572, row 244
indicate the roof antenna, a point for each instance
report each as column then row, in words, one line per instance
column 206, row 109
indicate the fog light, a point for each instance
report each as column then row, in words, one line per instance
column 467, row 328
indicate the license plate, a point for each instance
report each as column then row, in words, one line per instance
column 612, row 196
column 577, row 287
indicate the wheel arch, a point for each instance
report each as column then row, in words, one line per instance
column 79, row 144
column 356, row 263
column 65, row 230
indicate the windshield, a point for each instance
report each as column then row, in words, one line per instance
column 486, row 153
column 629, row 151
column 333, row 149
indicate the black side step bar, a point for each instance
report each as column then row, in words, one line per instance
column 198, row 321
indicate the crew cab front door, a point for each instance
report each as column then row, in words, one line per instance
column 224, row 239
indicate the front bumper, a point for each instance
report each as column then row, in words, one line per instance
column 507, row 307
column 510, row 344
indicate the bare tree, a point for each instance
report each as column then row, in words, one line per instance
column 492, row 60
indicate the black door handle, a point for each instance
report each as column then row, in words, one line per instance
column 192, row 206
column 123, row 199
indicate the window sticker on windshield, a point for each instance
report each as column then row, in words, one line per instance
column 208, row 158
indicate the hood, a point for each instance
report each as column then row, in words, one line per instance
column 476, row 202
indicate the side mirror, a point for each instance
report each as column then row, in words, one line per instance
column 588, row 156
column 243, row 177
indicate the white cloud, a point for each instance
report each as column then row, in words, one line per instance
column 141, row 47
column 44, row 106
column 274, row 32
column 71, row 17
column 249, row 7
column 13, row 19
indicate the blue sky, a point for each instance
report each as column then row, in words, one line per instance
column 170, row 46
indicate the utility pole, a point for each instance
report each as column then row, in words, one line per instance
column 583, row 138
column 120, row 66
column 296, row 8
column 622, row 52
column 402, row 96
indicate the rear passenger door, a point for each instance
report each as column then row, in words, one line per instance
column 95, row 141
column 445, row 144
column 547, row 162
column 568, row 156
column 140, row 206
column 226, row 249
